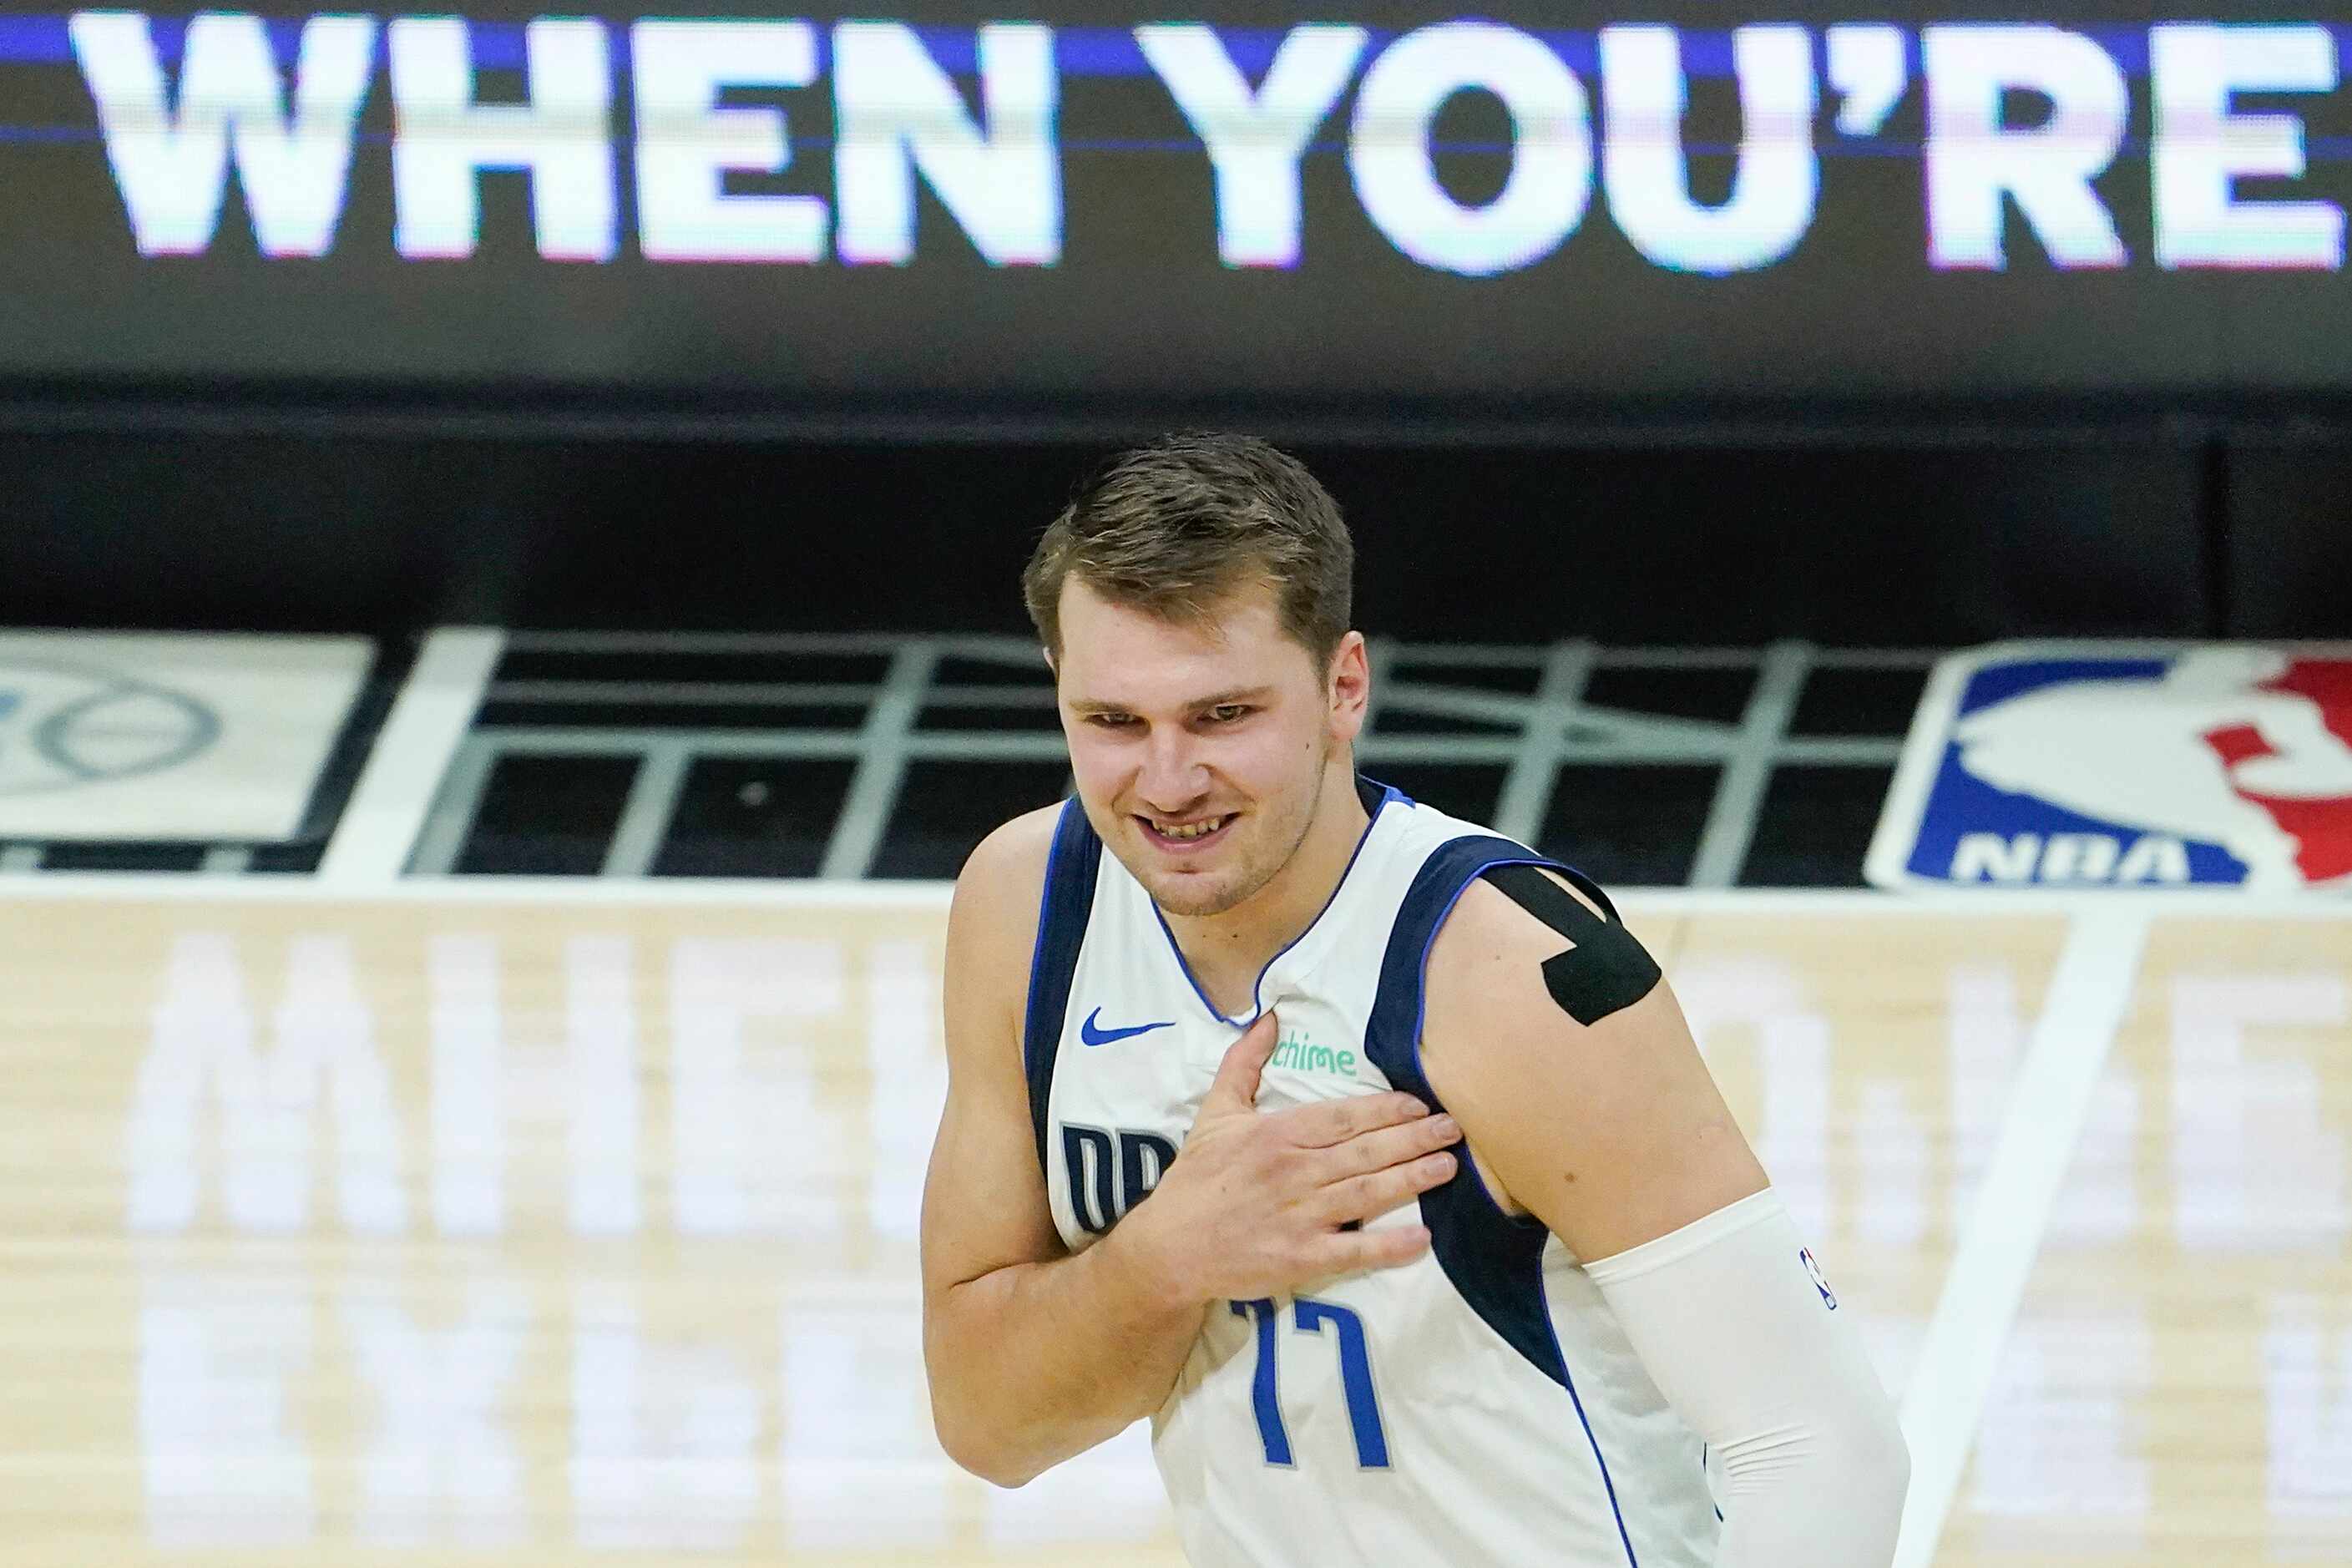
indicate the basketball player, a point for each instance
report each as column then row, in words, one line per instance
column 1452, row 1253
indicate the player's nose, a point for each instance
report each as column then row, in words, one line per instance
column 1172, row 778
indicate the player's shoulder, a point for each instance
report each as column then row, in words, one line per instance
column 1013, row 851
column 993, row 927
column 1488, row 924
column 1519, row 937
column 1005, row 872
column 992, row 921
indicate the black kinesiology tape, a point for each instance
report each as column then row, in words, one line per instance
column 1604, row 970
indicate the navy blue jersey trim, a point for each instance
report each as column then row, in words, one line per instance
column 1376, row 798
column 1062, row 910
column 1494, row 1259
column 1608, row 1482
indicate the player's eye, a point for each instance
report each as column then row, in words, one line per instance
column 1110, row 721
column 1228, row 712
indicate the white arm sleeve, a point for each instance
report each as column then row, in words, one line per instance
column 1734, row 1324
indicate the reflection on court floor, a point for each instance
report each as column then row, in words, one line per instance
column 505, row 1231
column 2178, row 1385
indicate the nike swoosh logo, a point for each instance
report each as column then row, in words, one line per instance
column 1093, row 1035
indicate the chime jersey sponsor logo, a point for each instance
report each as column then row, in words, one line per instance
column 1300, row 1054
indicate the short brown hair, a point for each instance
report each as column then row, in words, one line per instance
column 1177, row 525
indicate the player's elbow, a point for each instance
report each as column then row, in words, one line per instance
column 1824, row 1486
column 1882, row 1464
column 1875, row 1436
column 977, row 1412
column 994, row 1465
column 994, row 1468
column 981, row 1446
column 1869, row 1470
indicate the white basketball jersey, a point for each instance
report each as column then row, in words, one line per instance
column 1477, row 1406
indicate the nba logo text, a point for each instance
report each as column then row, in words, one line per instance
column 2127, row 765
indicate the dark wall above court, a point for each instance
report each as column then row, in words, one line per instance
column 1881, row 543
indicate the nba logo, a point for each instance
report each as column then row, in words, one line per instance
column 2130, row 765
column 1821, row 1282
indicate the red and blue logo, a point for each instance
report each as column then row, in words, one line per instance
column 1821, row 1282
column 2135, row 765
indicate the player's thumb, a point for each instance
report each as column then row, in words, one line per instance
column 1236, row 1085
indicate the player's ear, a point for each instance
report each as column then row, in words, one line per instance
column 1048, row 655
column 1349, row 683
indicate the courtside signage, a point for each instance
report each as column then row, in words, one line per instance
column 2111, row 764
column 909, row 219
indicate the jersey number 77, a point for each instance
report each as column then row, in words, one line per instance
column 1355, row 1377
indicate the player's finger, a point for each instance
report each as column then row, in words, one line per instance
column 1386, row 1147
column 1329, row 1121
column 1352, row 1251
column 1374, row 1194
column 1235, row 1086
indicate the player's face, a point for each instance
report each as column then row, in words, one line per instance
column 1200, row 751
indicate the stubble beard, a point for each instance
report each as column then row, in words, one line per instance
column 1245, row 879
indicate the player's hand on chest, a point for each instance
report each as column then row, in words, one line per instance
column 1266, row 1197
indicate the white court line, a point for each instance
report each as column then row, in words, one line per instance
column 387, row 809
column 2048, row 1101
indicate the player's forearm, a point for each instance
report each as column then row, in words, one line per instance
column 1033, row 1363
column 1744, row 1337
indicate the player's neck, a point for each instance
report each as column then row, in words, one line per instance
column 1226, row 951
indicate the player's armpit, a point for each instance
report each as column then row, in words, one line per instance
column 1612, row 1131
column 1741, row 1332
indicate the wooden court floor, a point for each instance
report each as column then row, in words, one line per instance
column 525, row 1227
